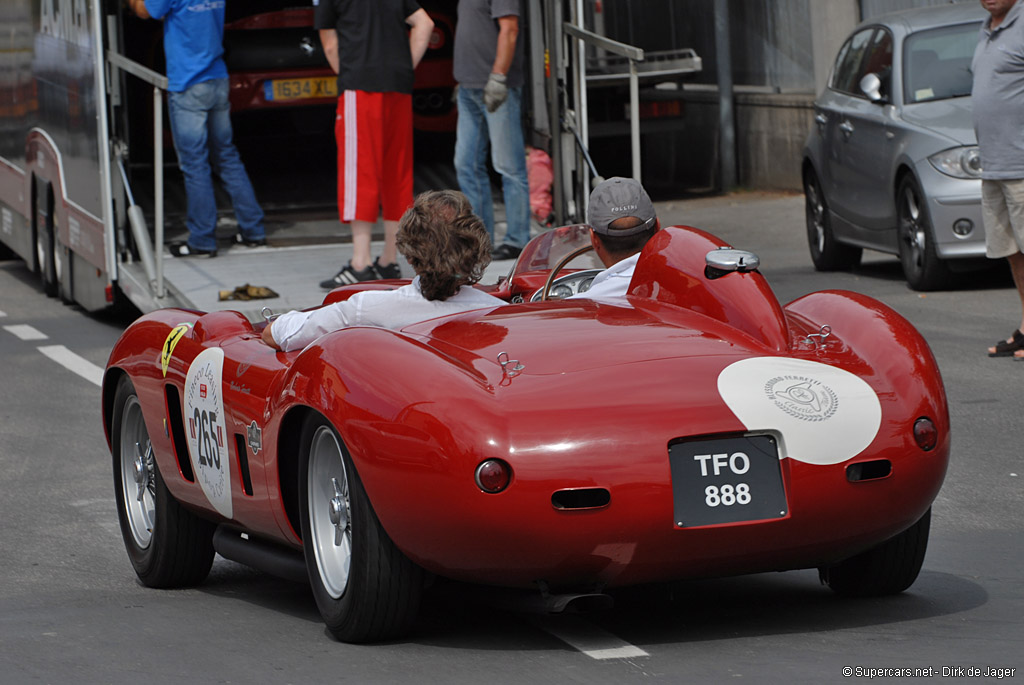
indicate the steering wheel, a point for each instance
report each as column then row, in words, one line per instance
column 559, row 266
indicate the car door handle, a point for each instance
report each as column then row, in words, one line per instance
column 820, row 119
column 846, row 127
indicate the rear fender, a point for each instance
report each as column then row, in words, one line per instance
column 876, row 343
column 671, row 269
column 381, row 390
column 878, row 335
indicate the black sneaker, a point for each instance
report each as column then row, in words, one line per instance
column 348, row 276
column 184, row 250
column 389, row 271
column 249, row 242
column 505, row 251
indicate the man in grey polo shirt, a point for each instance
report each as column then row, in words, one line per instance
column 488, row 65
column 998, row 101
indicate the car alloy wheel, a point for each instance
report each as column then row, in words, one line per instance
column 921, row 265
column 364, row 587
column 330, row 511
column 168, row 545
column 138, row 473
column 826, row 252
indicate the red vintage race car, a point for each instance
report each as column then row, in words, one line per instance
column 695, row 428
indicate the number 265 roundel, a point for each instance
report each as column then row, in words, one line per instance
column 206, row 433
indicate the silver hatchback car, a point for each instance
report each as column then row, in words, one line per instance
column 892, row 163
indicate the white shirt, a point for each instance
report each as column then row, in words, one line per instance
column 385, row 308
column 613, row 281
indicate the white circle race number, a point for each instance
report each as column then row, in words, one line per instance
column 206, row 431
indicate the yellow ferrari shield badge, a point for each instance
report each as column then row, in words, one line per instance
column 176, row 334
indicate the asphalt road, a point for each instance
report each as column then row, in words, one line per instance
column 71, row 609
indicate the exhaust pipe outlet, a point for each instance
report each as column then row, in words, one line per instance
column 578, row 603
column 534, row 602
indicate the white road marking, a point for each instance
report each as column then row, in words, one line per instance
column 71, row 361
column 3, row 314
column 26, row 332
column 98, row 512
column 589, row 639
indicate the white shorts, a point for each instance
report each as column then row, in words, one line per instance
column 1002, row 210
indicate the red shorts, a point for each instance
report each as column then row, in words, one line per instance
column 374, row 136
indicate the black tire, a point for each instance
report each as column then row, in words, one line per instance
column 168, row 545
column 827, row 253
column 887, row 569
column 916, row 240
column 377, row 597
column 46, row 245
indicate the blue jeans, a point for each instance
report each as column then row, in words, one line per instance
column 201, row 126
column 503, row 130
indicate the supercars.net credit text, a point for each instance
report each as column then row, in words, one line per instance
column 990, row 672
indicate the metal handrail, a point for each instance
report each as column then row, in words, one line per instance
column 159, row 83
column 634, row 55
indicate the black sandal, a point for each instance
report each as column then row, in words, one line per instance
column 1006, row 349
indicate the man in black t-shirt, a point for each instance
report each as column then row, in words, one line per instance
column 367, row 46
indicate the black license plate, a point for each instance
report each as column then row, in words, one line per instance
column 726, row 480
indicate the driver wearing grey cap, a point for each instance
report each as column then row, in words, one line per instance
column 622, row 220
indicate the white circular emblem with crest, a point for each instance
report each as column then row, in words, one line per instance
column 205, row 430
column 824, row 414
column 802, row 397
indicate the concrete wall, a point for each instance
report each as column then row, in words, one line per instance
column 782, row 53
column 770, row 134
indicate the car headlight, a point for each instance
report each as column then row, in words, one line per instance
column 958, row 162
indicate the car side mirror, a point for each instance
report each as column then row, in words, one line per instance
column 871, row 85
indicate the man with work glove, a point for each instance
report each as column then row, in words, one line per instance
column 488, row 65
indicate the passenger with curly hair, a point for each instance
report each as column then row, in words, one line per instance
column 448, row 248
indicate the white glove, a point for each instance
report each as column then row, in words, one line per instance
column 495, row 92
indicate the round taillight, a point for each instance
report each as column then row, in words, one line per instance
column 493, row 475
column 925, row 434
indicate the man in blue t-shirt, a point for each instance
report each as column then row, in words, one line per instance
column 197, row 100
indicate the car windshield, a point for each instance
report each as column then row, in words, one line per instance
column 937, row 63
column 546, row 250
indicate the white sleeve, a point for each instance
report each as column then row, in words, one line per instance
column 295, row 330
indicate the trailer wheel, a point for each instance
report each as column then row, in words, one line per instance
column 46, row 247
